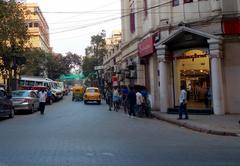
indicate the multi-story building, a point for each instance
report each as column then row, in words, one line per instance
column 112, row 45
column 171, row 43
column 37, row 27
column 38, row 30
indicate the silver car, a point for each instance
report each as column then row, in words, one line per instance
column 25, row 100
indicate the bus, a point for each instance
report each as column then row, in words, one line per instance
column 27, row 82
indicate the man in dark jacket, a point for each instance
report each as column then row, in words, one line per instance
column 131, row 101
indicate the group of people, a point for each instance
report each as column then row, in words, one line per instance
column 134, row 100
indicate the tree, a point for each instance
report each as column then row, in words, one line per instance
column 41, row 63
column 97, row 48
column 94, row 55
column 13, row 35
column 36, row 62
column 73, row 61
column 89, row 62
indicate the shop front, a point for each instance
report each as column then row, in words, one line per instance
column 194, row 59
column 192, row 69
column 148, row 72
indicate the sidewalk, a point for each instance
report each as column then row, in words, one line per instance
column 226, row 125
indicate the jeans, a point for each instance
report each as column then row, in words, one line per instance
column 132, row 110
column 183, row 110
column 42, row 107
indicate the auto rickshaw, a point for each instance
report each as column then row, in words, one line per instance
column 77, row 92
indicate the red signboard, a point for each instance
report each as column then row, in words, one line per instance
column 146, row 47
column 231, row 26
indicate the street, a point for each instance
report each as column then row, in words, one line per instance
column 74, row 134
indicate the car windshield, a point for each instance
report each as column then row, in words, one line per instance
column 92, row 90
column 20, row 94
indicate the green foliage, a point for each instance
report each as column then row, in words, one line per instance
column 36, row 62
column 13, row 33
column 89, row 62
column 54, row 65
column 97, row 48
column 72, row 61
column 94, row 55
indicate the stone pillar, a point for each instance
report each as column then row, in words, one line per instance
column 215, row 54
column 163, row 72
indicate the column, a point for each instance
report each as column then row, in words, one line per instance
column 163, row 72
column 215, row 50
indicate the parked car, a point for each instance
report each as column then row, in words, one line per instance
column 92, row 94
column 6, row 106
column 50, row 97
column 25, row 100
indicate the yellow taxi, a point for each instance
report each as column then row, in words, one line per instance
column 92, row 94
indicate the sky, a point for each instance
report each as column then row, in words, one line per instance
column 73, row 22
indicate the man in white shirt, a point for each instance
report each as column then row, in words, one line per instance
column 42, row 100
column 139, row 102
column 183, row 103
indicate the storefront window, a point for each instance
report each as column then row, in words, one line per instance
column 192, row 70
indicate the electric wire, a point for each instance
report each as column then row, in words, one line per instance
column 126, row 15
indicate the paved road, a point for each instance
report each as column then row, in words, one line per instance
column 74, row 134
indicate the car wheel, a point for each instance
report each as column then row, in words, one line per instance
column 99, row 102
column 12, row 113
column 85, row 102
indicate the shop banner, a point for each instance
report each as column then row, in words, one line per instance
column 146, row 47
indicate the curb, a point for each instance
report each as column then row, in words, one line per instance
column 195, row 128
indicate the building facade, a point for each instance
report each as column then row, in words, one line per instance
column 37, row 27
column 38, row 30
column 194, row 43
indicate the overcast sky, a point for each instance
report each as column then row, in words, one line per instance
column 73, row 22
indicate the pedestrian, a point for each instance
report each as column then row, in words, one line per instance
column 146, row 106
column 42, row 100
column 139, row 102
column 109, row 98
column 124, row 92
column 132, row 102
column 49, row 96
column 115, row 99
column 183, row 103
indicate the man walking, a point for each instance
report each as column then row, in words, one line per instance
column 42, row 100
column 109, row 97
column 183, row 103
column 132, row 102
column 139, row 102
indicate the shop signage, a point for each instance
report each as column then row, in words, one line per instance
column 98, row 67
column 146, row 47
column 193, row 54
column 231, row 26
column 114, row 80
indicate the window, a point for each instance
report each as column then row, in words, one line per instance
column 30, row 25
column 187, row 1
column 132, row 21
column 175, row 2
column 36, row 24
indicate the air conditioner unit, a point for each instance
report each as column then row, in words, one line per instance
column 129, row 62
column 133, row 74
column 116, row 69
column 127, row 74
